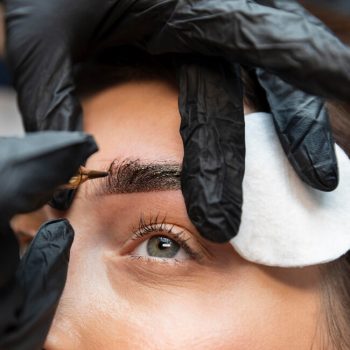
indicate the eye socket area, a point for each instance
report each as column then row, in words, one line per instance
column 161, row 241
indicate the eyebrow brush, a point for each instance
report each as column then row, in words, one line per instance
column 82, row 176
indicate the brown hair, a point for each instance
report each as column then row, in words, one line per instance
column 335, row 288
column 113, row 68
column 336, row 274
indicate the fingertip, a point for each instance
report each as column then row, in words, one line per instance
column 57, row 234
column 90, row 145
column 62, row 199
column 323, row 178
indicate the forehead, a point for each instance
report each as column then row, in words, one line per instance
column 139, row 120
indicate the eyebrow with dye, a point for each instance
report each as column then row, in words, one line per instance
column 132, row 176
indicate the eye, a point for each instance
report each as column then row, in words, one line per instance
column 157, row 240
column 161, row 247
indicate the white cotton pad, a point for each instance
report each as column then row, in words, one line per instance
column 285, row 222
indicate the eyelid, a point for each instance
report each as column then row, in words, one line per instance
column 172, row 231
column 141, row 253
column 153, row 226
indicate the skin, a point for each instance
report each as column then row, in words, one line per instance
column 116, row 300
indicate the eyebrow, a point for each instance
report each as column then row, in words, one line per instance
column 133, row 176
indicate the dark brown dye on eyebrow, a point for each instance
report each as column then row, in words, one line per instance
column 130, row 176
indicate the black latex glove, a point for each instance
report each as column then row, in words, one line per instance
column 212, row 129
column 30, row 169
column 276, row 35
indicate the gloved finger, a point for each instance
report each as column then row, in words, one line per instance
column 303, row 127
column 285, row 43
column 302, row 120
column 41, row 276
column 33, row 166
column 212, row 129
column 62, row 199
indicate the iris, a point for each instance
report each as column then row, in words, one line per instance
column 162, row 247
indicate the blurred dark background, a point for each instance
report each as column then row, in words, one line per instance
column 341, row 6
column 335, row 13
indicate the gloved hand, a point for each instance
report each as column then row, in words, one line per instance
column 30, row 168
column 276, row 35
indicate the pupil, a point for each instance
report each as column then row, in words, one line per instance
column 162, row 247
column 163, row 244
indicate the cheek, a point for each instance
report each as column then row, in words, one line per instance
column 188, row 319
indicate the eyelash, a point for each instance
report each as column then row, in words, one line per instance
column 147, row 227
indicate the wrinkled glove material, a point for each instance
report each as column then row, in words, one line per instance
column 212, row 128
column 302, row 124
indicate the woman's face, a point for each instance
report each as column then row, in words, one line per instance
column 140, row 275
